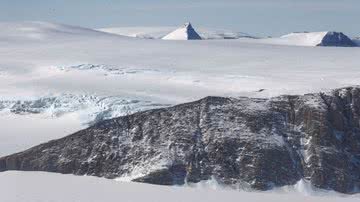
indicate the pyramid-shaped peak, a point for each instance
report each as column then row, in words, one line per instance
column 188, row 25
column 186, row 32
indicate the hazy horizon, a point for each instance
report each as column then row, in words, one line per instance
column 258, row 17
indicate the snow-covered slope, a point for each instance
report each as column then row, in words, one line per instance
column 305, row 39
column 140, row 32
column 159, row 32
column 186, row 32
column 223, row 34
column 19, row 187
column 312, row 39
column 45, row 60
column 42, row 31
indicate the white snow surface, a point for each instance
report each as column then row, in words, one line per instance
column 140, row 32
column 37, row 31
column 19, row 187
column 160, row 32
column 306, row 39
column 298, row 39
column 93, row 74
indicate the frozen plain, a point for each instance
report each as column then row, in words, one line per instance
column 56, row 79
column 19, row 186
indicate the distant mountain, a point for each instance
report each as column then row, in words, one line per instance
column 248, row 142
column 319, row 39
column 186, row 32
column 336, row 39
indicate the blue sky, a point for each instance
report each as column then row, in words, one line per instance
column 259, row 17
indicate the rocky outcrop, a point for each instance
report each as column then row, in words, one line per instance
column 337, row 39
column 260, row 143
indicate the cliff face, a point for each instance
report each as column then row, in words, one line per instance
column 259, row 143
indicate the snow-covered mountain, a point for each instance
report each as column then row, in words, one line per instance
column 313, row 39
column 186, row 32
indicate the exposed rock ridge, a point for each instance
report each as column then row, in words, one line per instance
column 258, row 143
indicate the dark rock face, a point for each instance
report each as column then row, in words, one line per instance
column 337, row 39
column 192, row 34
column 261, row 143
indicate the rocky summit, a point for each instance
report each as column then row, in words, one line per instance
column 259, row 143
